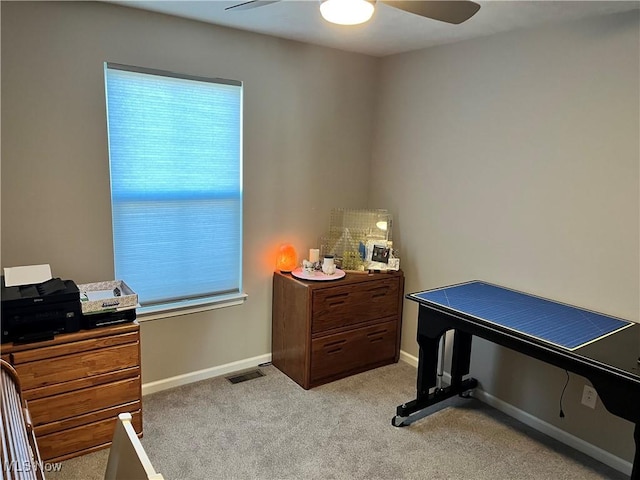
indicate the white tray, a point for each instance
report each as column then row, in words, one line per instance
column 317, row 276
column 100, row 297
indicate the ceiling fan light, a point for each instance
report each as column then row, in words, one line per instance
column 346, row 12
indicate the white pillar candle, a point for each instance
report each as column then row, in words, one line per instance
column 314, row 255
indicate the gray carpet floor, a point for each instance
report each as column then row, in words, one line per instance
column 270, row 428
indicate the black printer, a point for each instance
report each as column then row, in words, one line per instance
column 37, row 312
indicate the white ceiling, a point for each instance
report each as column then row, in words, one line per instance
column 391, row 30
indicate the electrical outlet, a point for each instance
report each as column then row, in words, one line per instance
column 589, row 396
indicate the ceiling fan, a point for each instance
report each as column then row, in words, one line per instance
column 352, row 12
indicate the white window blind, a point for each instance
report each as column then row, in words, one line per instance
column 176, row 185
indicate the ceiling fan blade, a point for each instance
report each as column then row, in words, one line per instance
column 251, row 4
column 446, row 11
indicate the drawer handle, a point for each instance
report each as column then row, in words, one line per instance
column 379, row 292
column 377, row 332
column 335, row 304
column 334, row 347
column 333, row 344
column 337, row 299
column 338, row 295
column 376, row 336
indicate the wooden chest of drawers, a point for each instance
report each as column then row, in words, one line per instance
column 323, row 331
column 77, row 384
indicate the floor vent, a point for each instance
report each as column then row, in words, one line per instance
column 243, row 377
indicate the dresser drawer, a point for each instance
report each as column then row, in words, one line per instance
column 81, row 383
column 66, row 405
column 346, row 305
column 87, row 418
column 23, row 354
column 343, row 354
column 55, row 370
column 59, row 445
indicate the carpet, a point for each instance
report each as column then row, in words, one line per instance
column 270, row 428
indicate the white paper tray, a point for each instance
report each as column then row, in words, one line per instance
column 101, row 297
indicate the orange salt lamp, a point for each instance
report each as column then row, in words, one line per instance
column 287, row 259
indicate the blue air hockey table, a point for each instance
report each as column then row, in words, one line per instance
column 601, row 348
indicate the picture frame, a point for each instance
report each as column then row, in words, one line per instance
column 379, row 256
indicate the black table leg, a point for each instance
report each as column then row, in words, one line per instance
column 430, row 330
column 460, row 357
column 622, row 399
column 635, row 472
column 427, row 365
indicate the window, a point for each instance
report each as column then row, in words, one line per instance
column 175, row 154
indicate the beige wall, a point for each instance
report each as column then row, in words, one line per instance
column 307, row 139
column 515, row 159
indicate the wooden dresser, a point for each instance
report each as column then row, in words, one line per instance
column 77, row 384
column 323, row 331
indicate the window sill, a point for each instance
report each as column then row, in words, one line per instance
column 147, row 314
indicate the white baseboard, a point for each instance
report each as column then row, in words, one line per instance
column 171, row 382
column 410, row 359
column 540, row 425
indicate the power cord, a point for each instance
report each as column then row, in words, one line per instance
column 562, row 394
